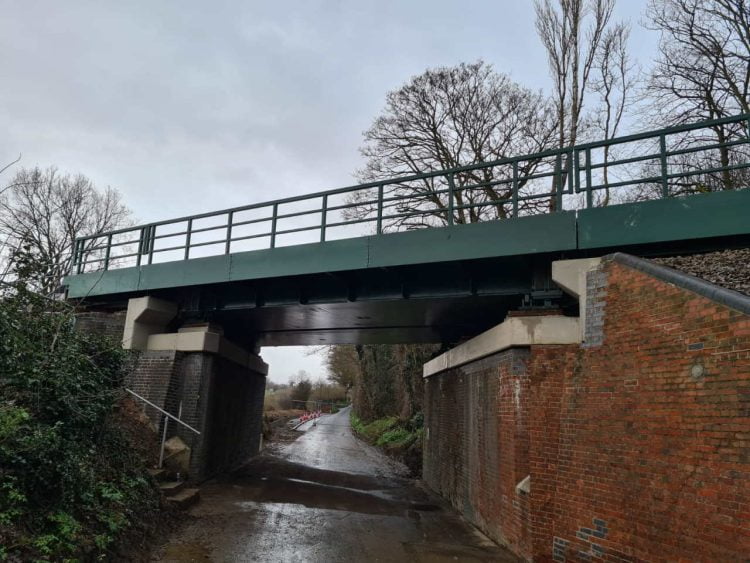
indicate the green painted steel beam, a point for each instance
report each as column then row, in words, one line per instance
column 526, row 235
column 691, row 218
column 716, row 214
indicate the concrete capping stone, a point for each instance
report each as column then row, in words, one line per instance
column 732, row 299
column 145, row 316
column 209, row 342
column 512, row 332
column 572, row 277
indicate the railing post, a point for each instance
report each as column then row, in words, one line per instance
column 589, row 192
column 558, row 182
column 663, row 159
column 163, row 441
column 151, row 234
column 514, row 192
column 77, row 255
column 380, row 210
column 571, row 170
column 188, row 237
column 141, row 243
column 273, row 224
column 323, row 218
column 451, row 204
column 230, row 219
column 108, row 251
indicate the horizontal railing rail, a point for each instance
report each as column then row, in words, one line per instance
column 163, row 412
column 692, row 158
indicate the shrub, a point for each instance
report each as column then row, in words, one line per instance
column 70, row 483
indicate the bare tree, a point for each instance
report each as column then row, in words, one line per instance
column 572, row 33
column 5, row 249
column 446, row 118
column 42, row 212
column 615, row 82
column 703, row 72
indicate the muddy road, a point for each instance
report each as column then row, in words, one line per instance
column 324, row 497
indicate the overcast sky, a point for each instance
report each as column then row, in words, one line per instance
column 188, row 106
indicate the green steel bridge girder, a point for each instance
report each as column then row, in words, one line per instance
column 436, row 280
column 685, row 221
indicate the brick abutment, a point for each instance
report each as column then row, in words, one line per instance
column 636, row 442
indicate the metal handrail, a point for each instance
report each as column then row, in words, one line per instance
column 165, row 413
column 569, row 169
column 166, row 419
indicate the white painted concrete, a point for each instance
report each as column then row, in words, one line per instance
column 570, row 275
column 205, row 338
column 524, row 485
column 513, row 332
column 145, row 316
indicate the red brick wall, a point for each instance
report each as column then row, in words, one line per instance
column 637, row 443
column 476, row 448
column 650, row 456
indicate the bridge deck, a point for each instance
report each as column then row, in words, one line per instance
column 691, row 221
column 494, row 228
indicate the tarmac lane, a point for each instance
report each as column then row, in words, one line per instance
column 325, row 497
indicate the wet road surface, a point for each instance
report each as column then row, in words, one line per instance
column 325, row 497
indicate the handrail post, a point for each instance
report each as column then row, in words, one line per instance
column 188, row 237
column 163, row 441
column 589, row 192
column 230, row 219
column 108, row 251
column 663, row 159
column 451, row 204
column 77, row 259
column 514, row 192
column 273, row 224
column 380, row 210
column 323, row 213
column 571, row 170
column 150, row 242
column 141, row 243
column 558, row 182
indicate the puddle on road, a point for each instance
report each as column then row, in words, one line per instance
column 277, row 508
column 186, row 552
column 273, row 481
column 315, row 495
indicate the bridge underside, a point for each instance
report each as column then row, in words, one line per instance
column 431, row 285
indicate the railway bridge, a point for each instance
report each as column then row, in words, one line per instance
column 531, row 267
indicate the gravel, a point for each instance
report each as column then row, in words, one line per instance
column 728, row 268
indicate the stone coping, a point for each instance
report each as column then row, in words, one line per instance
column 511, row 333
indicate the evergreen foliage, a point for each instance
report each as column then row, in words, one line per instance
column 70, row 483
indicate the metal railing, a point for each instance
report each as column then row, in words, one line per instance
column 705, row 156
column 166, row 417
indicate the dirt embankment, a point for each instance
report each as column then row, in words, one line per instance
column 276, row 427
